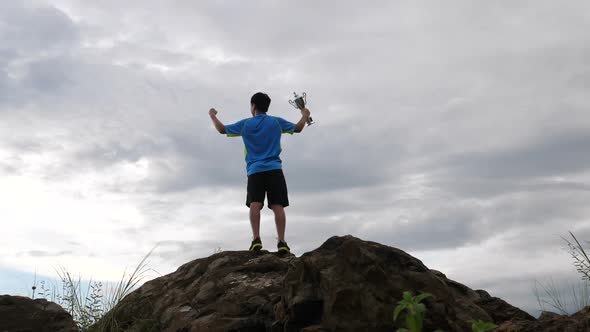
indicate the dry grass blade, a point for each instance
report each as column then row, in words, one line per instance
column 581, row 259
column 94, row 309
column 128, row 283
column 115, row 295
column 556, row 297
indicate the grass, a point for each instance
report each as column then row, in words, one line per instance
column 572, row 298
column 563, row 300
column 581, row 260
column 89, row 302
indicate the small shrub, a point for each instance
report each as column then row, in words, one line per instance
column 414, row 311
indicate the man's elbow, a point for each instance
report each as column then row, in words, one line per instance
column 220, row 128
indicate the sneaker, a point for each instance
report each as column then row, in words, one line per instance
column 283, row 247
column 256, row 245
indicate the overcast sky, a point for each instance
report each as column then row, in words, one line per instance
column 457, row 131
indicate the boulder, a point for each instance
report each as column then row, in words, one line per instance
column 22, row 314
column 500, row 310
column 550, row 322
column 347, row 284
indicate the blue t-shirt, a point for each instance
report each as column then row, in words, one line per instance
column 262, row 140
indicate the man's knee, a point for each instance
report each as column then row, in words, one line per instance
column 277, row 208
column 256, row 205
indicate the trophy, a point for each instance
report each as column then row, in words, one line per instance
column 299, row 102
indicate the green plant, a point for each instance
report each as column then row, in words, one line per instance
column 116, row 294
column 481, row 326
column 86, row 309
column 414, row 311
column 89, row 302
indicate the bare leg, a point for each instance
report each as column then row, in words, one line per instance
column 255, row 208
column 280, row 220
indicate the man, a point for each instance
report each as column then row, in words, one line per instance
column 261, row 134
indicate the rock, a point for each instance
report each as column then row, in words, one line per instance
column 345, row 285
column 499, row 309
column 547, row 315
column 358, row 284
column 550, row 322
column 22, row 314
column 224, row 292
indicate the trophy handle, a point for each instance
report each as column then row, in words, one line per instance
column 309, row 119
column 293, row 104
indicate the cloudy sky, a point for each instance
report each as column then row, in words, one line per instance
column 456, row 131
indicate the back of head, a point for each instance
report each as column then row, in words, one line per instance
column 261, row 101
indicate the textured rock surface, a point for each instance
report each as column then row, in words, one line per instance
column 499, row 309
column 22, row 314
column 346, row 284
column 550, row 322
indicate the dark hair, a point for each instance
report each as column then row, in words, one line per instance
column 261, row 101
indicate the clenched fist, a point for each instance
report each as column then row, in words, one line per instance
column 212, row 112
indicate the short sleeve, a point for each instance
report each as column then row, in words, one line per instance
column 286, row 126
column 235, row 129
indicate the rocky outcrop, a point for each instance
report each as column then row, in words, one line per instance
column 500, row 310
column 550, row 322
column 22, row 314
column 345, row 285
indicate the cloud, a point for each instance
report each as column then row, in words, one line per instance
column 440, row 129
column 40, row 253
column 30, row 29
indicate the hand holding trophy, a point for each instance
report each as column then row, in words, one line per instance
column 299, row 103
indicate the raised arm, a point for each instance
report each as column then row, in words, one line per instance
column 301, row 124
column 218, row 125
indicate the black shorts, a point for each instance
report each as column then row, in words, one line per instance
column 272, row 183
